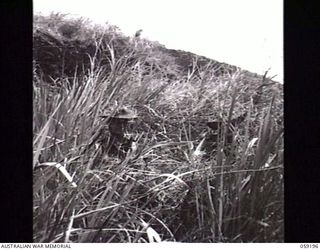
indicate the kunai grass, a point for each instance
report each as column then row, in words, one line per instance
column 167, row 189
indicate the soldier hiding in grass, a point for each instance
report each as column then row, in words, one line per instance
column 113, row 138
column 120, row 140
column 217, row 132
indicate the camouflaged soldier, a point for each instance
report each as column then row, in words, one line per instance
column 217, row 130
column 118, row 141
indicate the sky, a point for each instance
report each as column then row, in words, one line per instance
column 244, row 33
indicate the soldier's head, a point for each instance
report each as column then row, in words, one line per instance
column 217, row 124
column 119, row 123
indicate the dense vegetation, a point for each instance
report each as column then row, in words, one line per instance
column 171, row 188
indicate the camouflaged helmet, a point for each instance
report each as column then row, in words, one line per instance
column 122, row 113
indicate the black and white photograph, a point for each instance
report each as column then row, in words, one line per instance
column 158, row 121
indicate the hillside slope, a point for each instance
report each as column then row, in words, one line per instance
column 62, row 45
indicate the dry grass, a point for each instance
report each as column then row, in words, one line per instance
column 167, row 189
